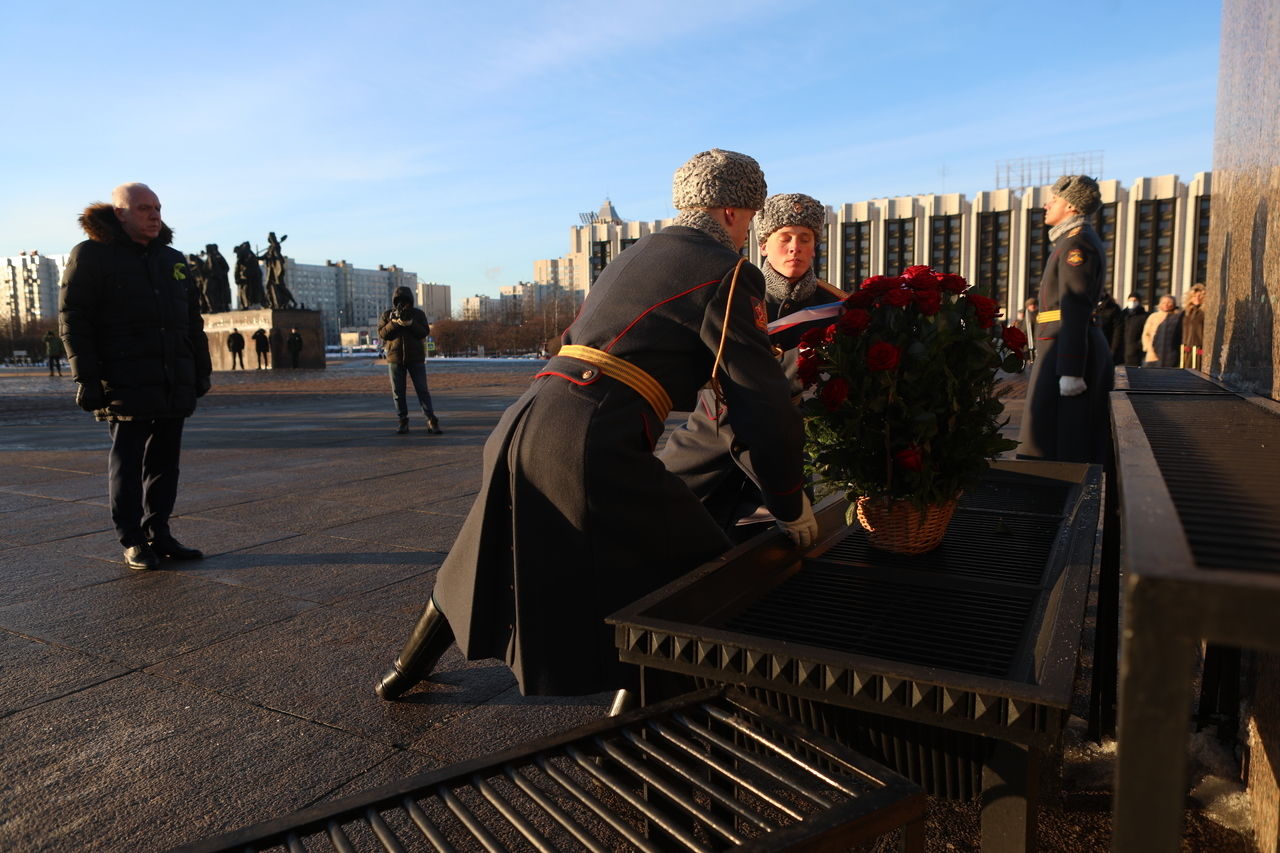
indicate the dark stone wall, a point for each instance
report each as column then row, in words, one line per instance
column 1241, row 344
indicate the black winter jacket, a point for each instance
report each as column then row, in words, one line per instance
column 405, row 340
column 129, row 316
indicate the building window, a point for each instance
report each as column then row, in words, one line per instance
column 944, row 243
column 1104, row 222
column 599, row 258
column 993, row 254
column 857, row 255
column 1153, row 249
column 820, row 257
column 628, row 241
column 1200, row 266
column 899, row 245
column 1038, row 248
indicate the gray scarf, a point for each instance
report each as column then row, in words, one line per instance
column 780, row 288
column 704, row 222
column 1065, row 226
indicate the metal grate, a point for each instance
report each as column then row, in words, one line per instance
column 1001, row 547
column 1220, row 460
column 1170, row 379
column 709, row 771
column 1010, row 492
column 973, row 630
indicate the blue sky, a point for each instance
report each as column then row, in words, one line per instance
column 461, row 140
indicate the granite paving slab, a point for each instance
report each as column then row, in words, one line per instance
column 507, row 720
column 322, row 665
column 55, row 520
column 26, row 474
column 403, row 599
column 32, row 672
column 141, row 763
column 408, row 528
column 35, row 571
column 11, row 501
column 211, row 537
column 70, row 486
column 146, row 617
column 294, row 514
column 315, row 567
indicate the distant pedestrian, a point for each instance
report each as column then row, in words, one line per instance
column 1162, row 335
column 262, row 345
column 294, row 344
column 130, row 319
column 1193, row 329
column 1027, row 323
column 403, row 330
column 1135, row 319
column 1111, row 321
column 54, row 351
column 235, row 346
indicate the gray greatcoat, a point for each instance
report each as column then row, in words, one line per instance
column 575, row 516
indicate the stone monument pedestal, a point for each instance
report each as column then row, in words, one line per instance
column 277, row 324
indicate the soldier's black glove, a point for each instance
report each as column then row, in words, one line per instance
column 202, row 386
column 90, row 397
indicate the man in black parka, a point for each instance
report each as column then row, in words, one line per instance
column 130, row 319
column 403, row 330
column 706, row 452
column 575, row 516
column 1065, row 415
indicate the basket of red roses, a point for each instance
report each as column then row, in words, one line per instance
column 903, row 414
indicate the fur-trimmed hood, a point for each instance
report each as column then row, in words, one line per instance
column 100, row 223
column 402, row 296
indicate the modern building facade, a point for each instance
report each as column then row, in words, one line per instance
column 435, row 300
column 29, row 288
column 347, row 296
column 1156, row 232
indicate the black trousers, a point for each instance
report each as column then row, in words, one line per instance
column 237, row 355
column 143, row 472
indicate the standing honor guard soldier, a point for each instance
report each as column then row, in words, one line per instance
column 705, row 452
column 1065, row 415
column 576, row 517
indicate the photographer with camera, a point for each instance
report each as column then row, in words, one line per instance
column 404, row 331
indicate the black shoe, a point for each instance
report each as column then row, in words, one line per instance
column 141, row 557
column 433, row 426
column 430, row 639
column 171, row 549
column 403, row 428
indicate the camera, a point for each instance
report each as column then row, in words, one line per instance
column 401, row 311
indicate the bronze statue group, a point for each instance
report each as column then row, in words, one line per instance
column 209, row 270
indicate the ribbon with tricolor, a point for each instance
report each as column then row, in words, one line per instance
column 805, row 315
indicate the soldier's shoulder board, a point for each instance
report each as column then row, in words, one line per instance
column 1075, row 257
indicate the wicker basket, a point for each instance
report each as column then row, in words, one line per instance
column 902, row 528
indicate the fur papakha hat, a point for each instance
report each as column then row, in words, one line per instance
column 719, row 178
column 1079, row 191
column 786, row 209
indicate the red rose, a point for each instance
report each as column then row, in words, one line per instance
column 881, row 283
column 909, row 458
column 986, row 309
column 812, row 337
column 917, row 270
column 1014, row 339
column 854, row 320
column 920, row 278
column 807, row 364
column 861, row 299
column 883, row 355
column 898, row 297
column 829, row 333
column 834, row 393
column 929, row 302
column 952, row 283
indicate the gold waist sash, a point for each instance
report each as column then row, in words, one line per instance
column 1053, row 316
column 626, row 373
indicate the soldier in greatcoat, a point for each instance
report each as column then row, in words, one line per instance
column 576, row 517
column 706, row 452
column 1065, row 415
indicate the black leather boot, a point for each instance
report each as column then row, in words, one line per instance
column 431, row 637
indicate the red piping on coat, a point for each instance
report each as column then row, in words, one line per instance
column 654, row 306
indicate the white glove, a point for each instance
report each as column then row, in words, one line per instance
column 1071, row 386
column 803, row 530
